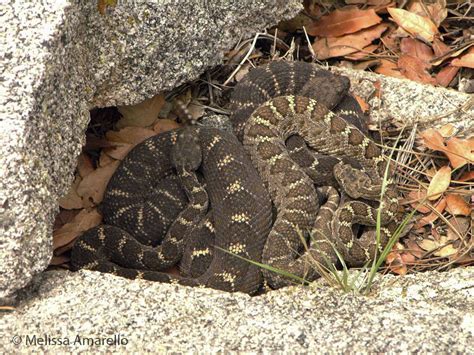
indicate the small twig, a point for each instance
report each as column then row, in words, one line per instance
column 311, row 50
column 252, row 47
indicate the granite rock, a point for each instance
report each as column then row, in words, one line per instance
column 59, row 59
column 426, row 312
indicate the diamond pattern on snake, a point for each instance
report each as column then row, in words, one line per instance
column 200, row 196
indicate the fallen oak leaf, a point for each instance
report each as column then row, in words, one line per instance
column 446, row 251
column 414, row 69
column 408, row 258
column 466, row 60
column 84, row 220
column 72, row 200
column 433, row 216
column 163, row 125
column 457, row 226
column 447, row 130
column 92, row 187
column 84, row 165
column 439, row 183
column 368, row 2
column 418, row 26
column 340, row 46
column 417, row 49
column 123, row 141
column 460, row 151
column 119, row 152
column 389, row 68
column 63, row 217
column 341, row 22
column 414, row 249
column 415, row 199
column 364, row 106
column 439, row 48
column 363, row 53
column 141, row 114
column 467, row 176
column 130, row 135
column 395, row 263
column 456, row 205
column 433, row 139
column 428, row 244
column 437, row 11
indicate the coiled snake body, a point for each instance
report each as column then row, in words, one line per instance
column 282, row 114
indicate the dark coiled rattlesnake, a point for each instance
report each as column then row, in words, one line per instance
column 269, row 117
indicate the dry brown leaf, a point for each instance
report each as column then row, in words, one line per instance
column 383, row 5
column 340, row 46
column 92, row 187
column 414, row 249
column 119, row 152
column 433, row 139
column 368, row 2
column 439, row 183
column 428, row 244
column 244, row 70
column 84, row 165
column 93, row 143
column 437, row 11
column 141, row 114
column 460, row 151
column 453, row 53
column 364, row 53
column 415, row 69
column 130, row 135
column 466, row 60
column 361, row 65
column 416, row 49
column 467, row 176
column 419, row 26
column 63, row 217
column 440, row 48
column 364, row 106
column 461, row 224
column 395, row 263
column 446, row 75
column 447, row 130
column 408, row 258
column 433, row 216
column 121, row 142
column 456, row 205
column 164, row 125
column 341, row 22
column 391, row 42
column 84, row 220
column 417, row 197
column 72, row 200
column 446, row 251
column 59, row 260
column 389, row 68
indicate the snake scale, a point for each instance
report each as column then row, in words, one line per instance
column 195, row 195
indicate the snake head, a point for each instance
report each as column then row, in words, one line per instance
column 186, row 152
column 328, row 89
column 354, row 181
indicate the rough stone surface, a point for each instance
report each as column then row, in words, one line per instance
column 426, row 312
column 404, row 101
column 61, row 58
